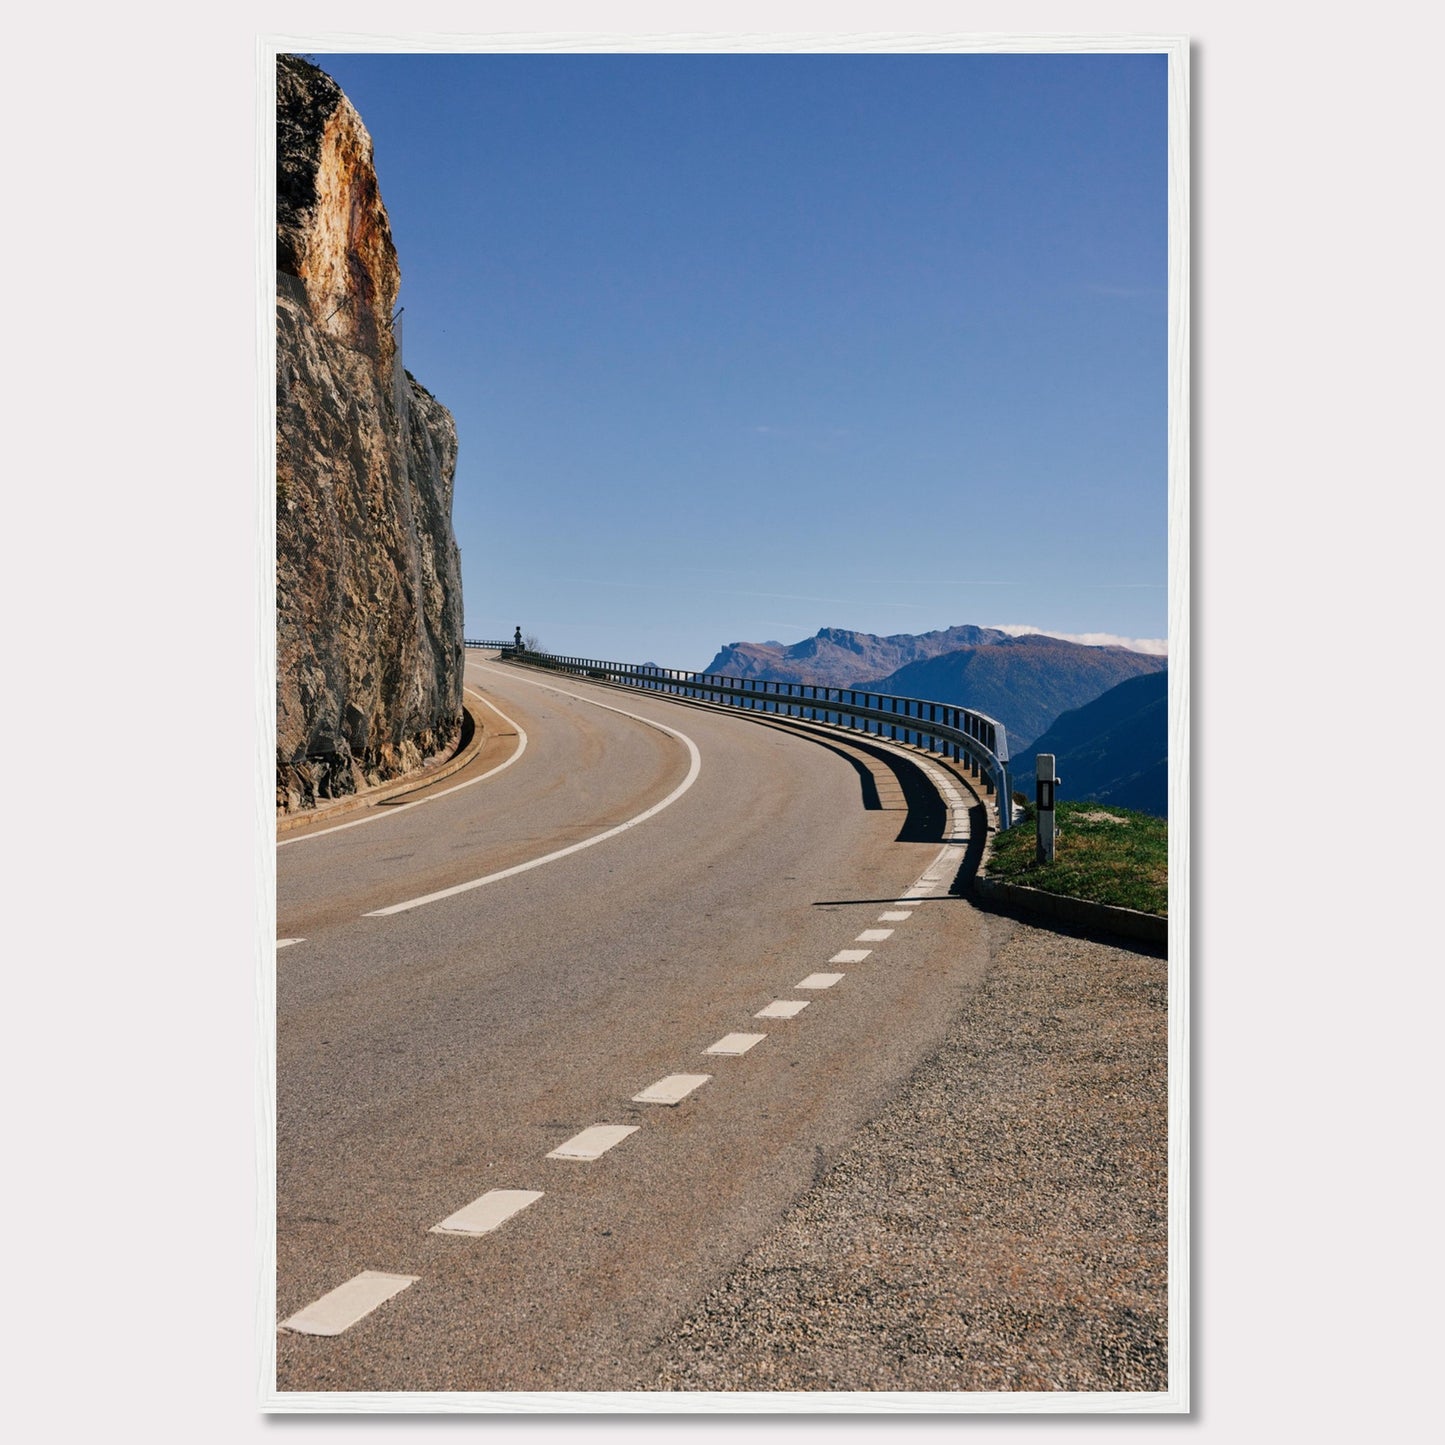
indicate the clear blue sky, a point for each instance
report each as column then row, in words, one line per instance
column 740, row 346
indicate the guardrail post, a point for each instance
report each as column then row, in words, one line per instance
column 1045, row 783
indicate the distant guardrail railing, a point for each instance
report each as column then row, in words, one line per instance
column 970, row 737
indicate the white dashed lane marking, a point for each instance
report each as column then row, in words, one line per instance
column 735, row 1043
column 671, row 1090
column 347, row 1303
column 594, row 1142
column 782, row 1008
column 489, row 1212
column 344, row 1306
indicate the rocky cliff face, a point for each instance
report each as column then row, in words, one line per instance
column 368, row 576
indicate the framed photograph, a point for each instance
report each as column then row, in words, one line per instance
column 731, row 898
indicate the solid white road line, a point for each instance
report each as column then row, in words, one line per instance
column 694, row 768
column 594, row 1142
column 672, row 1089
column 850, row 955
column 489, row 1212
column 819, row 980
column 874, row 935
column 782, row 1008
column 347, row 1303
column 735, row 1043
column 287, row 942
column 377, row 816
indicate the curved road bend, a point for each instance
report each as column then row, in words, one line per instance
column 428, row 1057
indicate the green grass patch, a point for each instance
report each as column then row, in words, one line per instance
column 1104, row 854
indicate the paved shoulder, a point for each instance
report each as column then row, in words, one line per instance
column 1002, row 1225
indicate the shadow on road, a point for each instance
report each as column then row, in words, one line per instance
column 927, row 812
column 866, row 781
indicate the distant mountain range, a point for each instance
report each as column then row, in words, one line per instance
column 1025, row 682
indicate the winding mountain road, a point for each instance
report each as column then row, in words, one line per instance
column 468, row 983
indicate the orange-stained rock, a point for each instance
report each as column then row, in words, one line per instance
column 368, row 577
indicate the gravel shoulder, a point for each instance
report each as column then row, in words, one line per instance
column 1001, row 1226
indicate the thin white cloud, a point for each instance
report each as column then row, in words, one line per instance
column 1154, row 646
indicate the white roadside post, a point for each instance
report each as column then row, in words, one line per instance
column 1044, row 805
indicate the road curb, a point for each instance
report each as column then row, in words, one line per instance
column 1126, row 922
column 413, row 782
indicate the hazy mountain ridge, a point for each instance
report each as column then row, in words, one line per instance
column 1025, row 682
column 1112, row 750
column 839, row 657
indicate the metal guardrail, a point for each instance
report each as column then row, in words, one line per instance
column 970, row 737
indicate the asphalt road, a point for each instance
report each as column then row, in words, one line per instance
column 429, row 1056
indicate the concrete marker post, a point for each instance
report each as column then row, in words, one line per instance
column 1044, row 785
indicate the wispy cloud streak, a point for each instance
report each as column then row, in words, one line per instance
column 1154, row 646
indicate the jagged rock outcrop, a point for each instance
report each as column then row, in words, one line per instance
column 838, row 657
column 368, row 576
